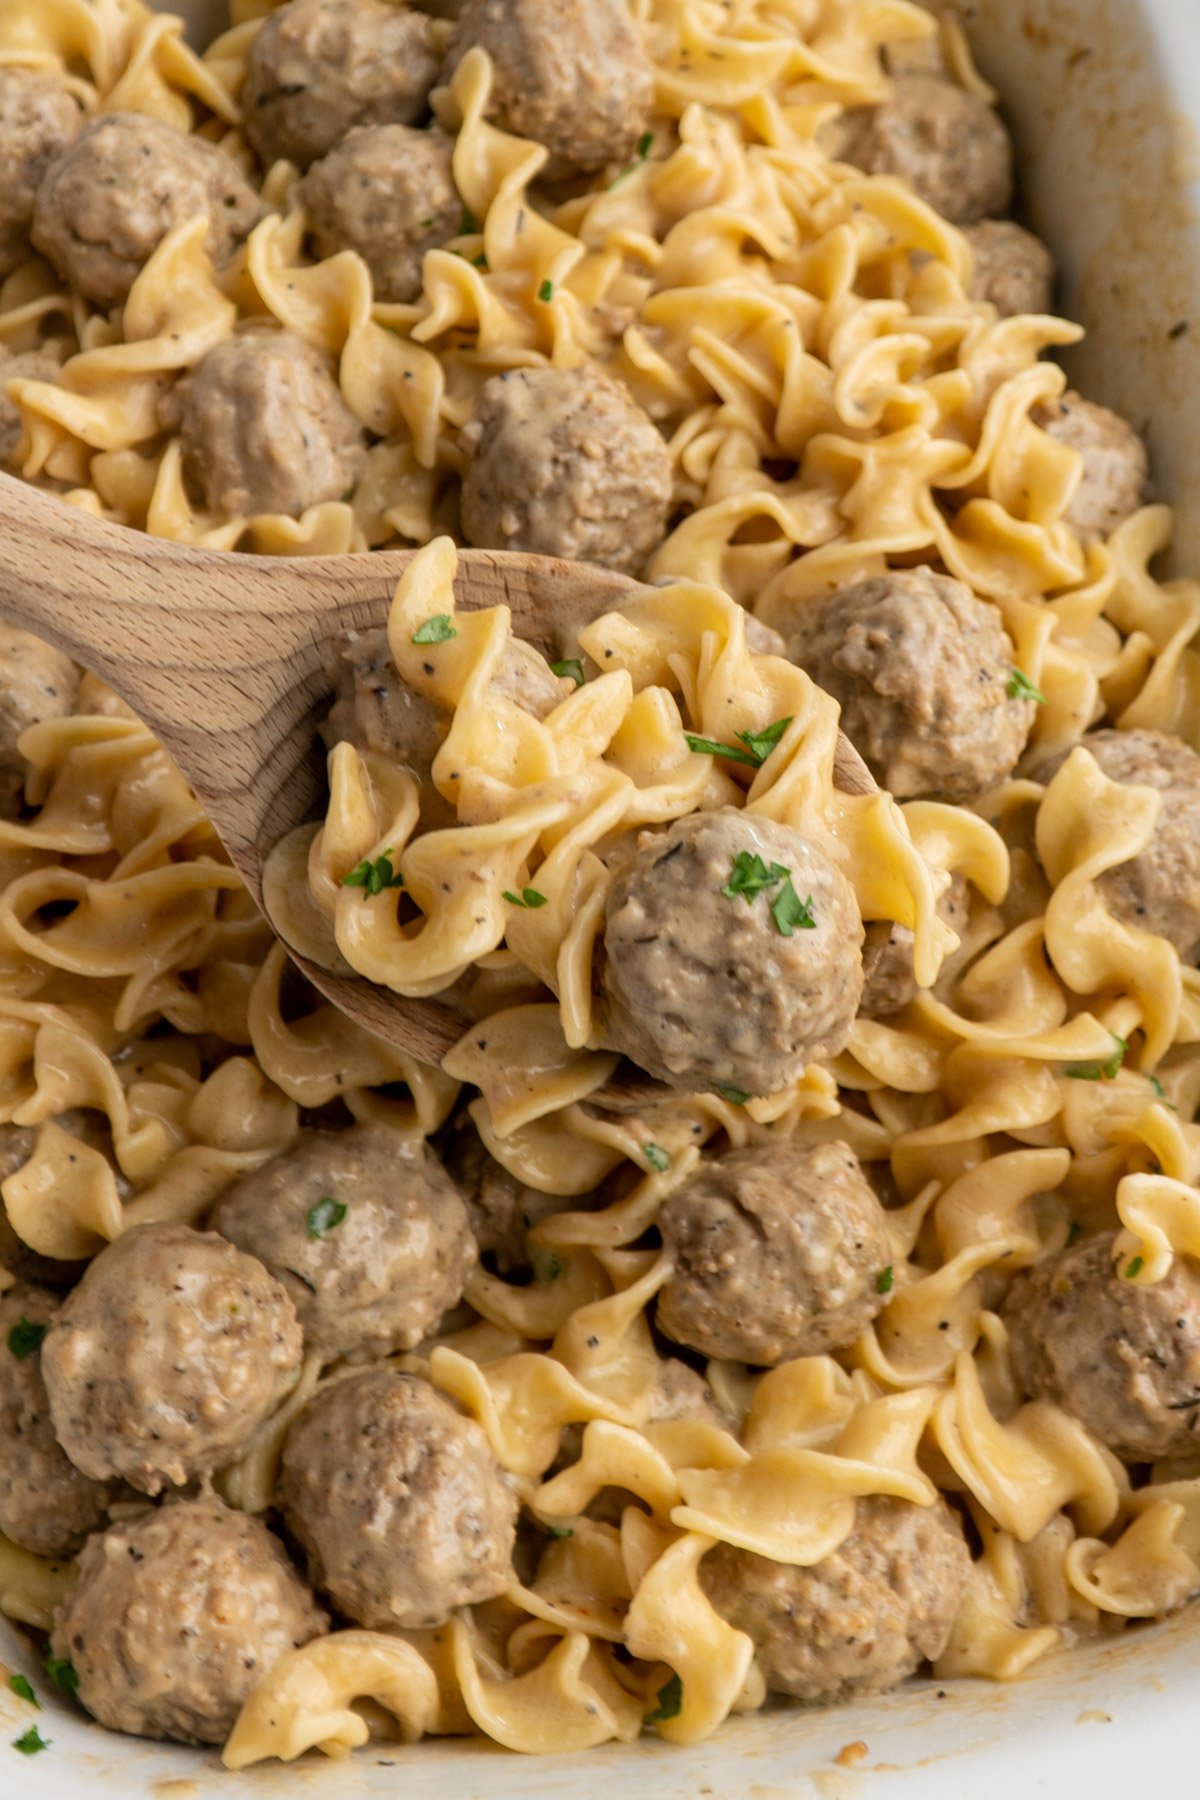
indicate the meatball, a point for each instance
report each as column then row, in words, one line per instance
column 38, row 119
column 1014, row 271
column 265, row 428
column 921, row 670
column 1123, row 1359
column 704, row 989
column 777, row 1253
column 318, row 68
column 36, row 683
column 948, row 144
column 502, row 1210
column 108, row 201
column 178, row 1614
column 398, row 1500
column 569, row 74
column 29, row 365
column 563, row 463
column 862, row 1619
column 379, row 1278
column 891, row 980
column 1116, row 470
column 1159, row 889
column 46, row 1504
column 167, row 1357
column 387, row 192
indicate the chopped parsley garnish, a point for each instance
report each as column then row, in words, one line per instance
column 645, row 145
column 549, row 1267
column 1100, row 1071
column 63, row 1674
column 561, row 1531
column 21, row 1684
column 571, row 667
column 657, row 1157
column 375, row 876
column 528, row 897
column 670, row 1702
column 885, row 1280
column 1134, row 1266
column 761, row 743
column 709, row 747
column 426, row 224
column 1021, row 688
column 546, row 292
column 325, row 1216
column 758, row 744
column 30, row 1742
column 736, row 1096
column 480, row 261
column 750, row 875
column 1073, row 1231
column 437, row 630
column 25, row 1337
column 790, row 913
column 469, row 223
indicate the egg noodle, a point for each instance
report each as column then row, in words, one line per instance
column 771, row 309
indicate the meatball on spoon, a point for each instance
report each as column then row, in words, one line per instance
column 224, row 657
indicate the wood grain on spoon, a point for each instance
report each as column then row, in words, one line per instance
column 223, row 655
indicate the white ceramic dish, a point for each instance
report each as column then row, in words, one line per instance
column 1105, row 97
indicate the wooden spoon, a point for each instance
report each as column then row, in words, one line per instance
column 223, row 656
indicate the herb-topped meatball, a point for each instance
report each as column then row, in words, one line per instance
column 38, row 119
column 366, row 1232
column 46, row 1504
column 398, row 1500
column 921, row 669
column 265, row 428
column 570, row 74
column 1116, row 470
column 947, row 143
column 860, row 1620
column 564, row 463
column 36, row 683
column 777, row 1253
column 1124, row 1359
column 167, row 1357
column 386, row 192
column 108, row 201
column 178, row 1614
column 318, row 68
column 732, row 954
column 1158, row 890
column 1013, row 270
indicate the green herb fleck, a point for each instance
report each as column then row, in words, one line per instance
column 1134, row 1266
column 736, row 1096
column 30, row 1742
column 1021, row 688
column 546, row 292
column 426, row 224
column 437, row 630
column 790, row 913
column 750, row 875
column 469, row 223
column 1074, row 1230
column 645, row 145
column 25, row 1337
column 657, row 1157
column 761, row 743
column 561, row 1531
column 670, row 1702
column 375, row 876
column 709, row 747
column 550, row 1268
column 63, row 1674
column 885, row 1280
column 572, row 667
column 21, row 1684
column 325, row 1216
column 480, row 261
column 1100, row 1071
column 528, row 897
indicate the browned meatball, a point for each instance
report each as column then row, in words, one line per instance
column 178, row 1614
column 29, row 365
column 387, row 192
column 704, row 989
column 1159, row 889
column 36, row 683
column 891, row 978
column 318, row 68
column 1123, row 1359
column 398, row 1500
column 1116, row 470
column 502, row 1210
column 563, row 463
column 38, row 119
column 167, row 1357
column 265, row 428
column 860, row 1620
column 570, row 74
column 948, row 144
column 1014, row 271
column 46, row 1504
column 777, row 1253
column 920, row 668
column 108, row 201
column 375, row 1279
